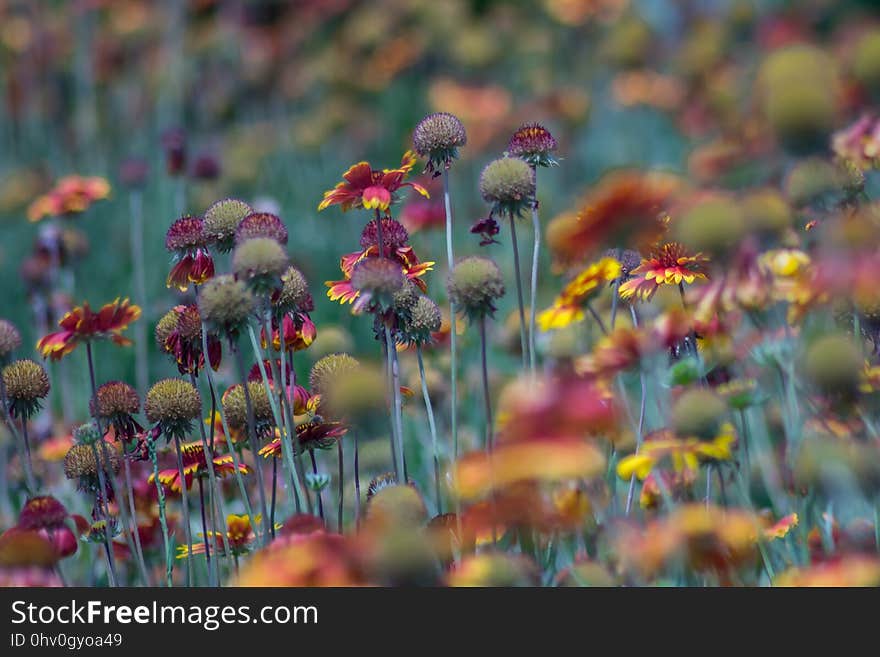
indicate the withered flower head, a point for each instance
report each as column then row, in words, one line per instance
column 185, row 234
column 260, row 261
column 88, row 433
column 294, row 295
column 26, row 384
column 474, row 284
column 113, row 399
column 329, row 369
column 225, row 303
column 438, row 137
column 42, row 512
column 533, row 143
column 80, row 462
column 698, row 413
column 222, row 220
column 10, row 338
column 508, row 185
column 394, row 235
column 378, row 280
column 423, row 319
column 261, row 224
column 173, row 405
column 235, row 407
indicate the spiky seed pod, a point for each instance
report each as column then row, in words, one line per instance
column 698, row 413
column 259, row 261
column 42, row 512
column 397, row 505
column 833, row 364
column 235, row 407
column 114, row 399
column 438, row 137
column 361, row 391
column 185, row 234
column 474, row 284
column 261, row 224
column 378, row 280
column 26, row 384
column 508, row 185
column 328, row 369
column 394, row 235
column 173, row 405
column 80, row 462
column 225, row 303
column 405, row 298
column 424, row 318
column 165, row 327
column 10, row 339
column 294, row 295
column 222, row 220
column 533, row 143
column 88, row 433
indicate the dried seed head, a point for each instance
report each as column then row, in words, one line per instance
column 438, row 137
column 165, row 327
column 294, row 294
column 405, row 298
column 474, row 284
column 88, row 433
column 10, row 338
column 698, row 413
column 173, row 404
column 394, row 235
column 380, row 278
column 397, row 505
column 260, row 261
column 226, row 303
column 26, row 384
column 80, row 461
column 328, row 369
column 114, row 399
column 508, row 185
column 235, row 406
column 222, row 220
column 360, row 391
column 185, row 234
column 533, row 143
column 423, row 320
column 713, row 225
column 261, row 224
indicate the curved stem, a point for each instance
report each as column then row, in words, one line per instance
column 184, row 504
column 519, row 294
column 394, row 367
column 433, row 427
column 105, row 514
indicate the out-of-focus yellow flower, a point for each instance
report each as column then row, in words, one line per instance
column 684, row 453
column 785, row 263
column 870, row 378
column 855, row 570
column 568, row 307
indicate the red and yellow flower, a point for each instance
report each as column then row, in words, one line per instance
column 683, row 453
column 71, row 194
column 372, row 189
column 299, row 332
column 239, row 534
column 568, row 307
column 343, row 290
column 195, row 465
column 82, row 324
column 671, row 264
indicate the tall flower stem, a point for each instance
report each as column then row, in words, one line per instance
column 184, row 504
column 252, row 434
column 139, row 549
column 211, row 572
column 524, row 344
column 357, row 484
column 453, row 351
column 229, row 442
column 320, row 494
column 485, row 371
column 533, row 291
column 28, row 467
column 105, row 514
column 396, row 425
column 643, row 381
column 287, row 452
column 136, row 205
column 340, row 484
column 433, row 426
column 163, row 516
column 274, row 497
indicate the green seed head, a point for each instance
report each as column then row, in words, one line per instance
column 222, row 220
column 698, row 413
column 474, row 285
column 226, row 303
column 508, row 185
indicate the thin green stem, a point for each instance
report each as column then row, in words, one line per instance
column 340, row 484
column 524, row 343
column 533, row 292
column 184, row 505
column 139, row 549
column 320, row 493
column 163, row 516
column 487, row 400
column 432, row 425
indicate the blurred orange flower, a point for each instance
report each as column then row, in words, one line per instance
column 82, row 324
column 71, row 194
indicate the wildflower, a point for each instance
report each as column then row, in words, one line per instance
column 261, row 224
column 850, row 571
column 235, row 408
column 27, row 384
column 782, row 527
column 422, row 321
column 870, row 379
column 82, row 324
column 393, row 505
column 259, row 261
column 71, row 195
column 622, row 349
column 172, row 405
column 10, row 339
column 299, row 332
column 179, row 333
column 833, row 364
column 377, row 281
column 438, row 137
column 662, row 483
column 239, row 534
column 684, row 453
column 785, row 263
column 508, row 185
column 487, row 228
column 533, row 143
column 42, row 512
column 859, row 143
column 116, row 402
column 423, row 214
column 474, row 284
column 698, row 413
column 221, row 222
column 80, row 463
column 187, row 240
column 293, row 295
column 669, row 265
column 225, row 304
column 317, row 433
column 173, row 142
column 365, row 187
column 195, row 464
column 568, row 307
column 330, row 369
column 494, row 569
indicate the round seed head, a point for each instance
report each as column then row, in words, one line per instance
column 114, row 399
column 173, row 404
column 767, row 211
column 394, row 235
column 235, row 406
column 424, row 319
column 698, row 413
column 380, row 279
column 866, row 61
column 10, row 338
column 474, row 285
column 294, row 293
column 438, row 137
column 222, row 220
column 261, row 224
column 42, row 512
column 26, row 384
column 88, row 433
column 185, row 234
column 833, row 364
column 397, row 505
column 508, row 185
column 533, row 143
column 260, row 261
column 226, row 303
column 712, row 225
column 80, row 461
column 328, row 369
